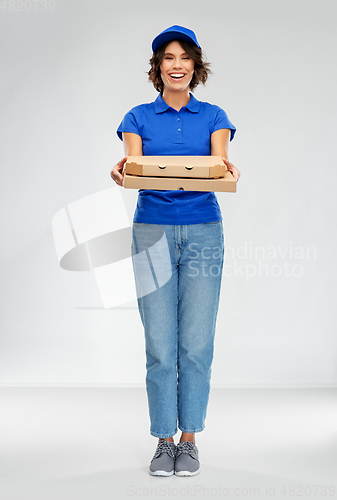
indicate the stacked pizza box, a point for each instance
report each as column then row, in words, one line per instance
column 187, row 173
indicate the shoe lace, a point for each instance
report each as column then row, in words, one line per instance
column 164, row 447
column 187, row 447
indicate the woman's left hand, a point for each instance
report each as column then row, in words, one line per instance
column 233, row 170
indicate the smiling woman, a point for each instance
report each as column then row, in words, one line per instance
column 189, row 53
column 176, row 68
column 179, row 317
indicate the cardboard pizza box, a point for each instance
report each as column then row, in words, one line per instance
column 226, row 183
column 176, row 166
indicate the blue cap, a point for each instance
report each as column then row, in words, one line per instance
column 173, row 33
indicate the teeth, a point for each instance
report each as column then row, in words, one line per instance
column 177, row 75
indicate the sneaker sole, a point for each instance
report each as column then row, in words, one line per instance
column 161, row 473
column 187, row 473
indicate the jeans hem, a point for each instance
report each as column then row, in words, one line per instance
column 160, row 435
column 199, row 429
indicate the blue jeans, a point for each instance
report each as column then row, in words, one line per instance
column 178, row 271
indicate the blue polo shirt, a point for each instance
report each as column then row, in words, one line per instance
column 167, row 132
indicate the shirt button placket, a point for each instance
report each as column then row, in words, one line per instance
column 179, row 130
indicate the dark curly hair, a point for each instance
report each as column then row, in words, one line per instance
column 201, row 67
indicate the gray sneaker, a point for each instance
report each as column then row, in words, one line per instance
column 187, row 459
column 162, row 463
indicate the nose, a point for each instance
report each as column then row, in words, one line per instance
column 177, row 64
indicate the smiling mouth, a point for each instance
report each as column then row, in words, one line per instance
column 177, row 77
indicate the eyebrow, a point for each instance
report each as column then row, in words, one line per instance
column 170, row 54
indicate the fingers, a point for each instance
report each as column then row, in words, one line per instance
column 235, row 173
column 227, row 162
column 116, row 174
column 122, row 161
column 232, row 168
column 118, row 178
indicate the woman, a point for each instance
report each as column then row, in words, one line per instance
column 179, row 316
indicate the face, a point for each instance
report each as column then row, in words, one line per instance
column 177, row 68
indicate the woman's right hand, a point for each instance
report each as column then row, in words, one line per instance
column 116, row 173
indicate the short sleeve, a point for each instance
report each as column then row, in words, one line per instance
column 128, row 124
column 221, row 120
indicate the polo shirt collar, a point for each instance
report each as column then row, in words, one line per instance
column 161, row 106
column 193, row 104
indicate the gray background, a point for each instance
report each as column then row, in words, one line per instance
column 68, row 76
